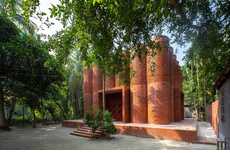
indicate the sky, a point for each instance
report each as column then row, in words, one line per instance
column 44, row 30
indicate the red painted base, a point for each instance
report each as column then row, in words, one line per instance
column 185, row 130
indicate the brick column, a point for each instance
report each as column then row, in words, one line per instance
column 97, row 85
column 119, row 83
column 181, row 98
column 172, row 77
column 177, row 109
column 125, row 104
column 138, row 90
column 174, row 87
column 159, row 87
column 87, row 90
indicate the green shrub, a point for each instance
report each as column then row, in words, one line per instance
column 108, row 123
column 93, row 121
column 100, row 119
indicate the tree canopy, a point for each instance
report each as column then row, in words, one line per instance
column 106, row 32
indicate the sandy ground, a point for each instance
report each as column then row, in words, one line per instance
column 56, row 137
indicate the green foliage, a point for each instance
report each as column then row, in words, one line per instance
column 28, row 72
column 93, row 121
column 207, row 57
column 100, row 120
column 29, row 8
column 108, row 123
column 109, row 32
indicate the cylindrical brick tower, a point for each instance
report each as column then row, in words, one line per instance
column 97, row 85
column 138, row 90
column 87, row 90
column 177, row 108
column 182, row 106
column 173, row 70
column 181, row 95
column 159, row 86
column 172, row 82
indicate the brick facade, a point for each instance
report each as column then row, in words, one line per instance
column 154, row 94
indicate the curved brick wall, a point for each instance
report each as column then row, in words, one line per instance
column 173, row 70
column 150, row 90
column 172, row 82
column 87, row 89
column 181, row 95
column 109, row 82
column 180, row 92
column 159, row 86
column 138, row 90
column 97, row 85
column 177, row 109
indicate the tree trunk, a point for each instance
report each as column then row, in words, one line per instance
column 3, row 123
column 34, row 118
column 11, row 110
column 63, row 111
column 23, row 114
column 77, row 103
column 205, row 100
column 42, row 111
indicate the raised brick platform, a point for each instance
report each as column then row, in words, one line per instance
column 185, row 130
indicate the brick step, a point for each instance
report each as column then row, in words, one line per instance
column 88, row 131
column 88, row 128
column 82, row 135
column 87, row 135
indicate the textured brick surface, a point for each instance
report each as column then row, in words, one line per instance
column 181, row 104
column 87, row 89
column 159, row 86
column 151, row 97
column 109, row 82
column 177, row 94
column 138, row 91
column 182, row 131
column 214, row 107
column 150, row 90
column 159, row 133
column 126, row 104
column 97, row 85
column 138, row 65
column 172, row 77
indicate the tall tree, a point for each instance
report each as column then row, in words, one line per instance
column 103, row 31
column 27, row 70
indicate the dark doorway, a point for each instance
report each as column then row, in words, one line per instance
column 113, row 103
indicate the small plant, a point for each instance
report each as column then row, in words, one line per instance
column 108, row 123
column 100, row 119
column 93, row 121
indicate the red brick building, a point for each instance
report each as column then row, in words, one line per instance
column 153, row 96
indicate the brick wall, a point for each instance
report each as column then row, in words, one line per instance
column 214, row 118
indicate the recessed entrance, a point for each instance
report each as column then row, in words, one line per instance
column 113, row 103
